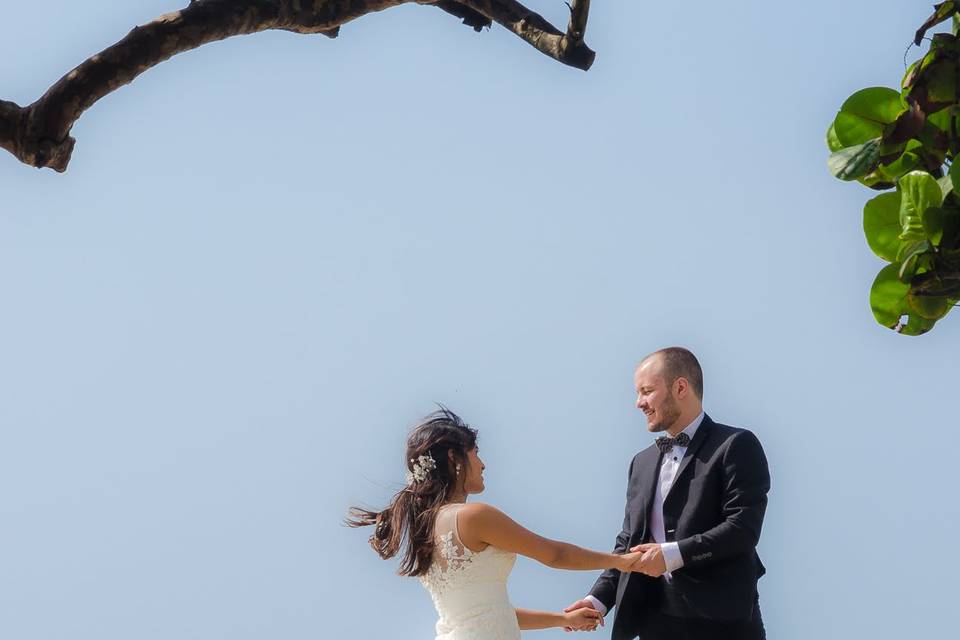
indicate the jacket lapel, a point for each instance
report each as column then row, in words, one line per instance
column 646, row 475
column 698, row 439
column 650, row 471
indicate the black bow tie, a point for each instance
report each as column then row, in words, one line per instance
column 667, row 443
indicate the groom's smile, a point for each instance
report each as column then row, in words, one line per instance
column 662, row 403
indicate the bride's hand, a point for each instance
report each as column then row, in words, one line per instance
column 626, row 562
column 585, row 619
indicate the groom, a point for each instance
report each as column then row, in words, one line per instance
column 695, row 505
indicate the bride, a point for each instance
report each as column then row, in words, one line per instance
column 463, row 553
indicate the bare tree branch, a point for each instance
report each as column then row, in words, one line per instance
column 534, row 28
column 39, row 134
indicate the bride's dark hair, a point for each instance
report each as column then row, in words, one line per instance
column 410, row 516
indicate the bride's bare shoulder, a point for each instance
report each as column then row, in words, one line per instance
column 479, row 509
column 474, row 519
column 474, row 514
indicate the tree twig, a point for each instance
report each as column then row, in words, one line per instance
column 579, row 12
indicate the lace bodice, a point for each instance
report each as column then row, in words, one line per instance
column 469, row 589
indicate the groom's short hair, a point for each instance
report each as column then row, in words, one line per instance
column 678, row 362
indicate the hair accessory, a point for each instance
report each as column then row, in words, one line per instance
column 422, row 467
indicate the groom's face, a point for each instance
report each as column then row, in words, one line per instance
column 655, row 396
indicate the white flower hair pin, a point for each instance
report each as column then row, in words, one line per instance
column 422, row 467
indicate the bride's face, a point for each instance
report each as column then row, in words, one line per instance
column 473, row 480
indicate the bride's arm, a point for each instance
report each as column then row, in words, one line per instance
column 480, row 525
column 581, row 620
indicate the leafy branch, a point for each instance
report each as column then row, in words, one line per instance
column 906, row 141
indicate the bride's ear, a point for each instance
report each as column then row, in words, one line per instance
column 452, row 459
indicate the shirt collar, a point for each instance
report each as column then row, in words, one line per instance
column 691, row 429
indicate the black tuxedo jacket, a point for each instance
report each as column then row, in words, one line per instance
column 714, row 511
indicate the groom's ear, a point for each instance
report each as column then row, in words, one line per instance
column 681, row 387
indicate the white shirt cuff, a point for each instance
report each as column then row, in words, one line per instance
column 597, row 605
column 671, row 555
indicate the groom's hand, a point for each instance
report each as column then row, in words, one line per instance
column 581, row 604
column 652, row 562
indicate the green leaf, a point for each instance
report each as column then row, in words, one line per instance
column 954, row 174
column 934, row 144
column 855, row 162
column 928, row 307
column 918, row 190
column 941, row 81
column 866, row 113
column 941, row 119
column 896, row 159
column 881, row 225
column 833, row 142
column 888, row 296
column 932, row 220
column 888, row 301
column 876, row 181
column 946, row 185
column 904, row 164
column 911, row 258
column 916, row 326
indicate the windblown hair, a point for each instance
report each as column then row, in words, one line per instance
column 410, row 516
column 680, row 363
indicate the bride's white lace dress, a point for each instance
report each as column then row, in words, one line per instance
column 469, row 589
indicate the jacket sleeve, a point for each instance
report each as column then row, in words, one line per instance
column 605, row 588
column 746, row 481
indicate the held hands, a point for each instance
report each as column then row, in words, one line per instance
column 581, row 616
column 650, row 561
column 629, row 561
column 644, row 558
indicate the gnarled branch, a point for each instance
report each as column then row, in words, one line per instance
column 39, row 134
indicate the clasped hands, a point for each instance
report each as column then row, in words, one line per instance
column 644, row 558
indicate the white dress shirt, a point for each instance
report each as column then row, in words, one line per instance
column 668, row 473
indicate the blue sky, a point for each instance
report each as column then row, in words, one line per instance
column 271, row 255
